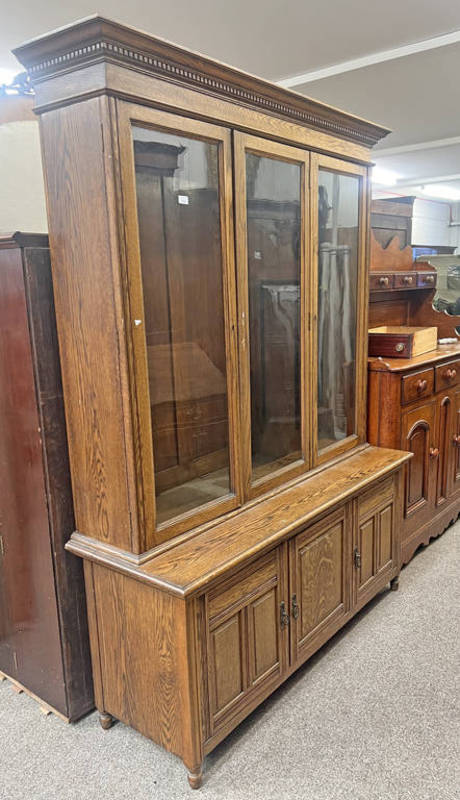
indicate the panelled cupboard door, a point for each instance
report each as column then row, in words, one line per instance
column 374, row 551
column 181, row 307
column 445, row 444
column 271, row 201
column 246, row 637
column 455, row 462
column 338, row 305
column 320, row 582
column 418, row 437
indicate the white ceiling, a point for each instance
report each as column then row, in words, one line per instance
column 417, row 95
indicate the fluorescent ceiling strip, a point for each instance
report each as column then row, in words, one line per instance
column 373, row 58
column 417, row 181
column 411, row 148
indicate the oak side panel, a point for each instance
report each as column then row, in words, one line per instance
column 87, row 319
column 147, row 656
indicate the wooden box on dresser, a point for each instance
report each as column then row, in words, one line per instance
column 414, row 403
column 44, row 645
column 209, row 245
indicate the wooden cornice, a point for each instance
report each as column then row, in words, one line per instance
column 97, row 39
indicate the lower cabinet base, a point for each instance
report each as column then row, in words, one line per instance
column 185, row 668
column 445, row 516
column 195, row 774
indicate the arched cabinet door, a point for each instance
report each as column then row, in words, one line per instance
column 418, row 436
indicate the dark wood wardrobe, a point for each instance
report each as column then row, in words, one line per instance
column 43, row 627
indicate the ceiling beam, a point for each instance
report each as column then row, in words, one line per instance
column 411, row 148
column 373, row 58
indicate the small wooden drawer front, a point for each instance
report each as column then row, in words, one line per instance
column 426, row 279
column 381, row 280
column 447, row 375
column 375, row 497
column 406, row 280
column 417, row 385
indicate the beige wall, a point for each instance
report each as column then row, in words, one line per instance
column 22, row 196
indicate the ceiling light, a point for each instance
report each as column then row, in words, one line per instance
column 441, row 190
column 7, row 75
column 385, row 177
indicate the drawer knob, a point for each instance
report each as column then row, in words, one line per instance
column 399, row 347
column 456, row 440
column 434, row 452
column 421, row 385
column 428, row 279
column 384, row 281
column 450, row 374
column 408, row 280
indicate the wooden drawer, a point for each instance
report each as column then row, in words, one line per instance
column 405, row 280
column 447, row 375
column 426, row 279
column 381, row 280
column 376, row 497
column 417, row 385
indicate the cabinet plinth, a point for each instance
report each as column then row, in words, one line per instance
column 208, row 233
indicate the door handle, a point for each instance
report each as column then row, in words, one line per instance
column 284, row 616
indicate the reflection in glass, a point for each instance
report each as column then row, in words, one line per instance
column 273, row 220
column 338, row 220
column 179, row 228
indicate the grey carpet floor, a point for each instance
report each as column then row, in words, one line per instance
column 373, row 716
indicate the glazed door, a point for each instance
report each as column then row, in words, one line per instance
column 375, row 546
column 176, row 177
column 271, row 183
column 419, row 438
column 320, row 582
column 339, row 305
column 247, row 629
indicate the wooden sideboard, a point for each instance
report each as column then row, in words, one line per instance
column 209, row 245
column 44, row 644
column 415, row 404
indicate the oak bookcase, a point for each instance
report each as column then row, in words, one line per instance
column 209, row 240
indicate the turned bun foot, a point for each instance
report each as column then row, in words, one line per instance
column 394, row 584
column 105, row 720
column 195, row 779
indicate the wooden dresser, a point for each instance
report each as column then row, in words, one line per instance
column 44, row 645
column 208, row 233
column 414, row 403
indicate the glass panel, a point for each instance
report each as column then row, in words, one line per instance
column 338, row 222
column 274, row 220
column 177, row 182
